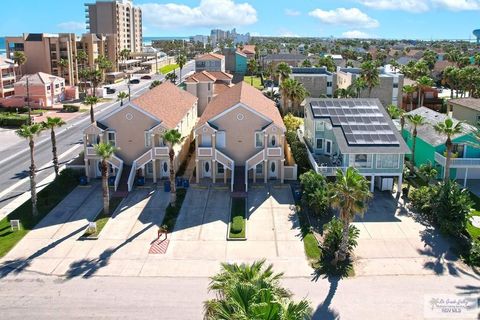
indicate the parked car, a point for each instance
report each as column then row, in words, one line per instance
column 146, row 77
column 135, row 81
column 111, row 90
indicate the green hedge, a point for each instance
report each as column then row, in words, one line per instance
column 71, row 108
column 13, row 119
column 237, row 219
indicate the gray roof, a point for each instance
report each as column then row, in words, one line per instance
column 367, row 132
column 470, row 103
column 427, row 133
column 285, row 56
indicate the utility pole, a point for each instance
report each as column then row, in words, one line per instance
column 128, row 85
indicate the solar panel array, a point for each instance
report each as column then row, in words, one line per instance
column 301, row 70
column 361, row 121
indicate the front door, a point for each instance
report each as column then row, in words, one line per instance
column 272, row 169
column 328, row 147
column 207, row 169
column 164, row 169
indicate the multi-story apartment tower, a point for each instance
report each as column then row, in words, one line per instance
column 118, row 17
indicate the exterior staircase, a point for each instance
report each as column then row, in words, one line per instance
column 122, row 190
column 239, row 183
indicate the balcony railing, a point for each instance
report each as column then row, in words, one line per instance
column 204, row 152
column 457, row 162
column 91, row 152
column 161, row 151
column 8, row 86
column 8, row 75
column 274, row 152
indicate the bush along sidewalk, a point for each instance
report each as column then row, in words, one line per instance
column 48, row 199
column 102, row 219
column 171, row 213
column 237, row 227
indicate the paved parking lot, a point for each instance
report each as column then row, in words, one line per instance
column 392, row 242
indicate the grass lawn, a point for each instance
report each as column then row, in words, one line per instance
column 237, row 219
column 310, row 244
column 102, row 218
column 473, row 231
column 171, row 213
column 48, row 198
column 257, row 83
column 168, row 68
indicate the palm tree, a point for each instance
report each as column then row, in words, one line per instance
column 358, row 86
column 181, row 60
column 91, row 101
column 283, row 71
column 95, row 77
column 286, row 88
column 121, row 96
column 155, row 83
column 105, row 151
column 83, row 75
column 63, row 64
column 172, row 76
column 409, row 90
column 124, row 54
column 423, row 83
column 272, row 95
column 252, row 292
column 350, row 193
column 428, row 171
column 448, row 128
column 252, row 69
column 52, row 123
column 451, row 77
column 103, row 65
column 29, row 132
column 20, row 59
column 297, row 95
column 172, row 138
column 396, row 113
column 81, row 57
column 415, row 120
column 370, row 75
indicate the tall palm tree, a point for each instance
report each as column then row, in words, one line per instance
column 396, row 113
column 350, row 194
column 297, row 95
column 63, row 64
column 103, row 65
column 252, row 69
column 83, row 75
column 121, row 96
column 283, row 71
column 370, row 75
column 82, row 58
column 358, row 86
column 286, row 88
column 105, row 151
column 20, row 59
column 409, row 90
column 172, row 76
column 252, row 292
column 415, row 120
column 423, row 83
column 29, row 132
column 451, row 77
column 124, row 54
column 91, row 101
column 181, row 60
column 95, row 77
column 172, row 137
column 52, row 123
column 448, row 129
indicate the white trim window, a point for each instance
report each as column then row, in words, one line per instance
column 259, row 139
column 220, row 168
column 221, row 139
column 148, row 139
column 111, row 138
column 361, row 160
column 319, row 144
column 319, row 126
column 388, row 161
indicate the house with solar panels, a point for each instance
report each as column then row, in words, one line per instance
column 341, row 133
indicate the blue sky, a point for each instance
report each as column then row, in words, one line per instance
column 417, row 19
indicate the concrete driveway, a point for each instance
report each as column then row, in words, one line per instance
column 392, row 242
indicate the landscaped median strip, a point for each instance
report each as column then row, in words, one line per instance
column 237, row 228
column 48, row 199
column 171, row 213
column 102, row 219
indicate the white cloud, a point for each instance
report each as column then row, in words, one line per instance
column 344, row 16
column 404, row 5
column 209, row 13
column 72, row 26
column 292, row 13
column 458, row 5
column 356, row 34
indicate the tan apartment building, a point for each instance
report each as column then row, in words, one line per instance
column 465, row 109
column 206, row 86
column 119, row 18
column 389, row 90
column 241, row 138
column 136, row 129
column 210, row 62
column 44, row 51
column 7, row 77
column 319, row 82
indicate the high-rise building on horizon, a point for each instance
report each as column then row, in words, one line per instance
column 118, row 17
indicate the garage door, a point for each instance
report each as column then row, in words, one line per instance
column 472, row 173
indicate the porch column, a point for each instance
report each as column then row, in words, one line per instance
column 465, row 178
column 214, row 170
column 87, row 174
column 225, row 175
column 372, row 183
column 154, row 165
column 281, row 170
column 399, row 183
column 197, row 168
column 265, row 166
column 254, row 173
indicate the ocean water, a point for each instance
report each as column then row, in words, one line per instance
column 2, row 46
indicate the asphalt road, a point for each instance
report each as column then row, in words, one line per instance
column 15, row 160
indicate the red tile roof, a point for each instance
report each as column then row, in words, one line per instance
column 209, row 76
column 167, row 102
column 247, row 95
column 210, row 56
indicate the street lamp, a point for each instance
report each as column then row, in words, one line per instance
column 128, row 86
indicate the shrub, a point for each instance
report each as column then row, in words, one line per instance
column 474, row 255
column 315, row 192
column 452, row 205
column 333, row 236
column 300, row 154
column 292, row 123
column 71, row 108
column 237, row 224
column 13, row 119
column 421, row 200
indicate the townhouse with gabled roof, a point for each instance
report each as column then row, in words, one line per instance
column 210, row 62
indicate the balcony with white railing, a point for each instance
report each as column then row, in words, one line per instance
column 274, row 152
column 160, row 152
column 90, row 152
column 205, row 152
column 7, row 76
column 457, row 162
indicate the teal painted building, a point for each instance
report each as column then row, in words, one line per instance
column 241, row 62
column 430, row 147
